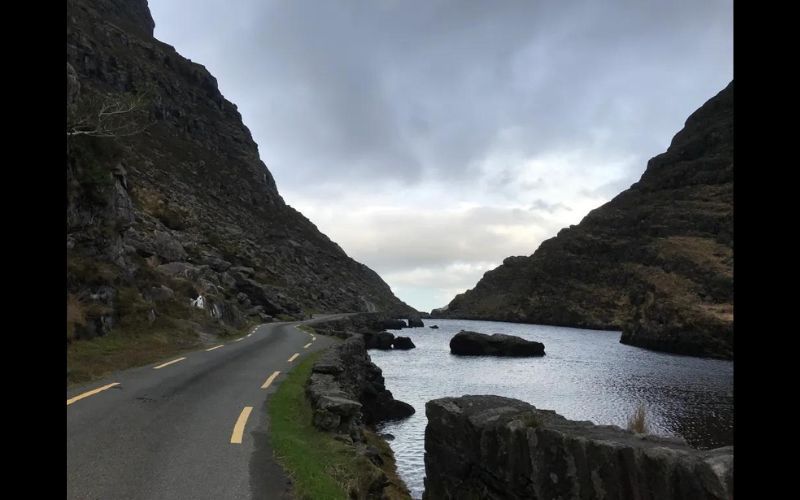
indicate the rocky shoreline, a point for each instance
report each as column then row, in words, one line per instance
column 492, row 447
column 348, row 395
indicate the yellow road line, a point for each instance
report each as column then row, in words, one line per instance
column 294, row 356
column 238, row 429
column 270, row 379
column 217, row 347
column 306, row 346
column 168, row 363
column 240, row 339
column 249, row 334
column 90, row 393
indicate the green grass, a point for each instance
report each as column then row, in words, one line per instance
column 320, row 466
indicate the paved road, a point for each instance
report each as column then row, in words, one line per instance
column 168, row 432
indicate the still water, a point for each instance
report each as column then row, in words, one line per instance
column 585, row 375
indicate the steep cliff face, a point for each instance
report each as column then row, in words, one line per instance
column 655, row 262
column 167, row 199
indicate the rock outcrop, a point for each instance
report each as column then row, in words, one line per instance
column 347, row 389
column 655, row 262
column 403, row 343
column 348, row 398
column 172, row 193
column 491, row 447
column 466, row 343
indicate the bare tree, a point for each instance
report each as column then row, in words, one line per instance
column 110, row 116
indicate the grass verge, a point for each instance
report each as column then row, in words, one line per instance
column 88, row 360
column 135, row 345
column 319, row 465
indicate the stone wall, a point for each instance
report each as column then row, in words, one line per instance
column 491, row 447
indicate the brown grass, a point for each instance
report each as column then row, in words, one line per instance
column 127, row 347
column 76, row 315
column 703, row 252
column 638, row 421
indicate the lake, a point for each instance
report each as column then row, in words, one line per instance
column 585, row 375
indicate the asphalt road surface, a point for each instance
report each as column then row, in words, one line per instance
column 196, row 428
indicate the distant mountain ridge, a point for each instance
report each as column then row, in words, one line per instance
column 655, row 262
column 182, row 206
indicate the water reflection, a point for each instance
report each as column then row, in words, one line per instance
column 586, row 375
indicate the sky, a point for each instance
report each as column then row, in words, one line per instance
column 432, row 139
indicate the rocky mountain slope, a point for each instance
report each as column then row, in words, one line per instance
column 167, row 199
column 655, row 262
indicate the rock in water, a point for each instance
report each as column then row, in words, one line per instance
column 466, row 343
column 403, row 343
column 393, row 324
column 415, row 323
column 384, row 341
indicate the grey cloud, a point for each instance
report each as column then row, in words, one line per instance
column 395, row 98
column 408, row 90
column 398, row 241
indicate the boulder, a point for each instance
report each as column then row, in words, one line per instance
column 375, row 340
column 180, row 270
column 403, row 343
column 415, row 323
column 167, row 246
column 493, row 448
column 466, row 343
column 384, row 340
column 160, row 293
column 384, row 408
column 393, row 324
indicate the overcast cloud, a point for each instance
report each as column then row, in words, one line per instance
column 432, row 139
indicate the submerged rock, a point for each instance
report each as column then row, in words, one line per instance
column 466, row 343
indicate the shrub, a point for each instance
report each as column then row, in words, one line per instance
column 638, row 421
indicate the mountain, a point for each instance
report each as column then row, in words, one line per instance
column 655, row 262
column 167, row 198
